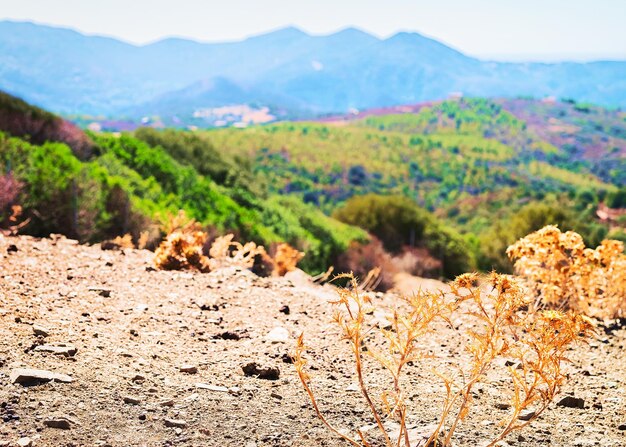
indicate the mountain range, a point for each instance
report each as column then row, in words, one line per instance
column 292, row 72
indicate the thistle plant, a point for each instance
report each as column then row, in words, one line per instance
column 564, row 274
column 498, row 327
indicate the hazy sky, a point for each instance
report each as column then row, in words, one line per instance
column 502, row 29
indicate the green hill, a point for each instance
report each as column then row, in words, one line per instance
column 124, row 185
column 475, row 163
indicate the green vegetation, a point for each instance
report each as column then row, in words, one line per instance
column 398, row 222
column 460, row 179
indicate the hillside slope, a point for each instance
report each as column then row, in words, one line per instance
column 68, row 72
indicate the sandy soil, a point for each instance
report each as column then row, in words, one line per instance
column 159, row 359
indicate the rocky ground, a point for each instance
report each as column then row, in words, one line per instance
column 141, row 357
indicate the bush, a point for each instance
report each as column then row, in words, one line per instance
column 398, row 222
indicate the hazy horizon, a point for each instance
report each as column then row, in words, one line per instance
column 532, row 31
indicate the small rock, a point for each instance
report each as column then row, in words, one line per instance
column 572, row 402
column 621, row 427
column 278, row 335
column 503, row 405
column 526, row 415
column 177, row 423
column 101, row 291
column 131, row 400
column 61, row 422
column 267, row 372
column 58, row 349
column 27, row 376
column 24, row 442
column 284, row 309
column 276, row 396
column 204, row 386
column 40, row 331
column 138, row 378
column 12, row 248
column 167, row 403
column 189, row 369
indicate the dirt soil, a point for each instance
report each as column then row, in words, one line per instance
column 158, row 360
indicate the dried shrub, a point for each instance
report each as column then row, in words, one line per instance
column 225, row 252
column 125, row 241
column 566, row 275
column 286, row 259
column 14, row 222
column 497, row 328
column 182, row 247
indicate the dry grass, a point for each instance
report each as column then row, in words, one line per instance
column 497, row 327
column 565, row 275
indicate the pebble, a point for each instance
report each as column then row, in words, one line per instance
column 526, row 416
column 27, row 376
column 572, row 402
column 262, row 372
column 24, row 442
column 621, row 427
column 503, row 406
column 40, row 331
column 189, row 369
column 352, row 387
column 278, row 335
column 131, row 400
column 285, row 309
column 167, row 403
column 61, row 422
column 178, row 423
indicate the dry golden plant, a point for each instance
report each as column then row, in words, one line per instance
column 566, row 275
column 182, row 248
column 286, row 259
column 498, row 327
column 125, row 241
column 225, row 252
column 14, row 225
column 144, row 238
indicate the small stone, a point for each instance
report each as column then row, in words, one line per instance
column 138, row 378
column 276, row 396
column 621, row 427
column 204, row 386
column 572, row 402
column 352, row 387
column 40, row 331
column 285, row 310
column 101, row 291
column 526, row 415
column 61, row 422
column 278, row 335
column 503, row 405
column 58, row 349
column 131, row 400
column 12, row 248
column 24, row 442
column 27, row 376
column 262, row 372
column 189, row 369
column 167, row 403
column 177, row 423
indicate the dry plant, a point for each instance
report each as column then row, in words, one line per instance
column 182, row 247
column 498, row 327
column 286, row 259
column 14, row 224
column 566, row 275
column 225, row 252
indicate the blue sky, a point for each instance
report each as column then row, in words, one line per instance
column 496, row 29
